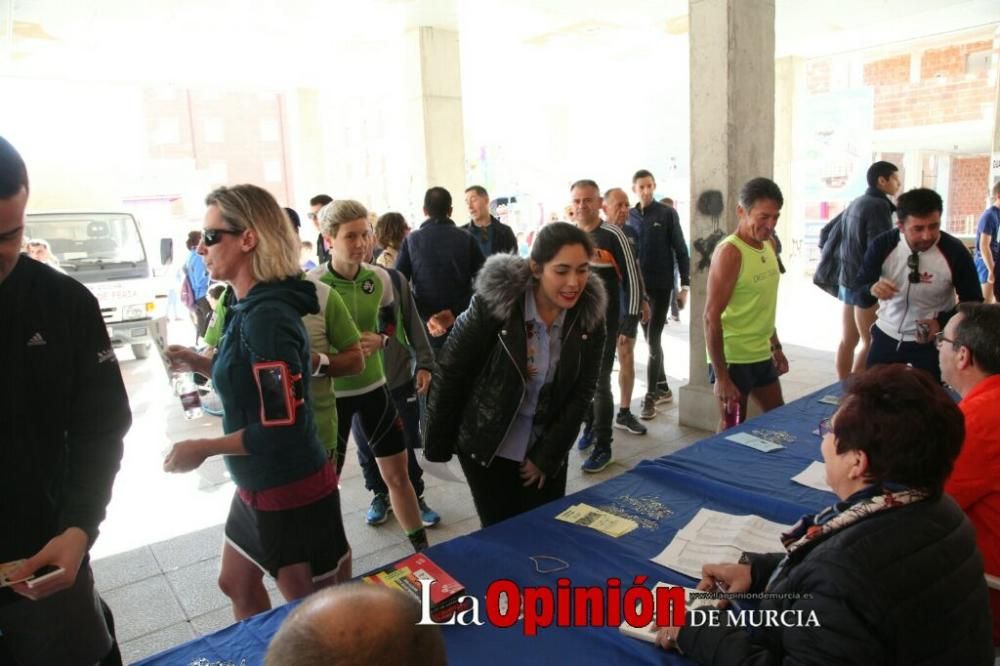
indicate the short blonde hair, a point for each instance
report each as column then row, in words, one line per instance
column 332, row 215
column 243, row 207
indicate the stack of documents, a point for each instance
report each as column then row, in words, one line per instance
column 594, row 518
column 713, row 537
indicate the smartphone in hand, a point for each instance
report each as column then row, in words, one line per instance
column 41, row 575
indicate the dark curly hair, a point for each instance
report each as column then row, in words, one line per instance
column 908, row 426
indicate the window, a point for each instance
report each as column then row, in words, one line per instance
column 978, row 62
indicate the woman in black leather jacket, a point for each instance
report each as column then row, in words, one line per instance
column 517, row 373
column 890, row 574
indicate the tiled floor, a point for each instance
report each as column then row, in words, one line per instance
column 157, row 560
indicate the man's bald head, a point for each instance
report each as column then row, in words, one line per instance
column 356, row 625
column 616, row 206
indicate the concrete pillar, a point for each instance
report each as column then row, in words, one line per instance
column 304, row 154
column 434, row 101
column 732, row 140
column 785, row 76
column 995, row 73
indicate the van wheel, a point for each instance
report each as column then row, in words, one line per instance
column 141, row 351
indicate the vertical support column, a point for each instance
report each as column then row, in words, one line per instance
column 995, row 152
column 302, row 131
column 435, row 102
column 732, row 140
column 785, row 76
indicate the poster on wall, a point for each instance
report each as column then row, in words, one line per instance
column 836, row 147
column 832, row 156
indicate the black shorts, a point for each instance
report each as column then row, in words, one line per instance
column 274, row 539
column 748, row 376
column 629, row 327
column 378, row 419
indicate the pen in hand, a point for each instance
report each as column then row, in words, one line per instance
column 721, row 588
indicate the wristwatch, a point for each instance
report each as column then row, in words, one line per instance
column 322, row 366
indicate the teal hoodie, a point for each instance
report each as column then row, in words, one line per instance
column 266, row 326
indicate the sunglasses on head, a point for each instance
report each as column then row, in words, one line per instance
column 210, row 237
column 913, row 263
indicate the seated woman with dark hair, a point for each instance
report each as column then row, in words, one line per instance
column 891, row 572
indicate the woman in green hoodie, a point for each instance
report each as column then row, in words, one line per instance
column 285, row 516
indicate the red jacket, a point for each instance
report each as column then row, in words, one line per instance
column 975, row 481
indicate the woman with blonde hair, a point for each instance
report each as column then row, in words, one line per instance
column 285, row 516
column 390, row 230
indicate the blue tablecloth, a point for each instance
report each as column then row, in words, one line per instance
column 662, row 495
column 764, row 478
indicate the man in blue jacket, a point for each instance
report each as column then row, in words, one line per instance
column 493, row 236
column 915, row 271
column 661, row 240
column 864, row 218
column 440, row 261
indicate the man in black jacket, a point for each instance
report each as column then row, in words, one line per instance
column 492, row 235
column 63, row 415
column 661, row 240
column 614, row 263
column 865, row 218
column 440, row 261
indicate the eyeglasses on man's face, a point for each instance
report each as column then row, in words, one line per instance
column 210, row 237
column 939, row 339
column 826, row 426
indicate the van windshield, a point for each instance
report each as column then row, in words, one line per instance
column 80, row 240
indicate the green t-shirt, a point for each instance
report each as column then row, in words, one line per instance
column 330, row 331
column 217, row 323
column 369, row 300
column 748, row 320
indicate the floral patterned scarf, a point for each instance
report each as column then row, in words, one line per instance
column 812, row 529
column 873, row 499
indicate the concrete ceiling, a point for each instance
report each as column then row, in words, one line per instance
column 300, row 42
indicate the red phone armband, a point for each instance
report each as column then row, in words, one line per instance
column 280, row 392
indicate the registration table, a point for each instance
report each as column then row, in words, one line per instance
column 661, row 495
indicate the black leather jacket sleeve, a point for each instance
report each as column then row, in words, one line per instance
column 469, row 343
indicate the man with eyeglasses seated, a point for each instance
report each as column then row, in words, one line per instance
column 915, row 272
column 969, row 353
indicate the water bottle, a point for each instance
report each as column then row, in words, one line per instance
column 732, row 413
column 186, row 388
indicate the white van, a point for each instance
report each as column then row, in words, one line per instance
column 105, row 251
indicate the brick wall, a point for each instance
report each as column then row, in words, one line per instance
column 931, row 103
column 888, row 71
column 949, row 61
column 945, row 93
column 967, row 192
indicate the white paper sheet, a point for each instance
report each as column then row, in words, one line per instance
column 713, row 536
column 754, row 442
column 813, row 476
column 748, row 533
column 688, row 557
